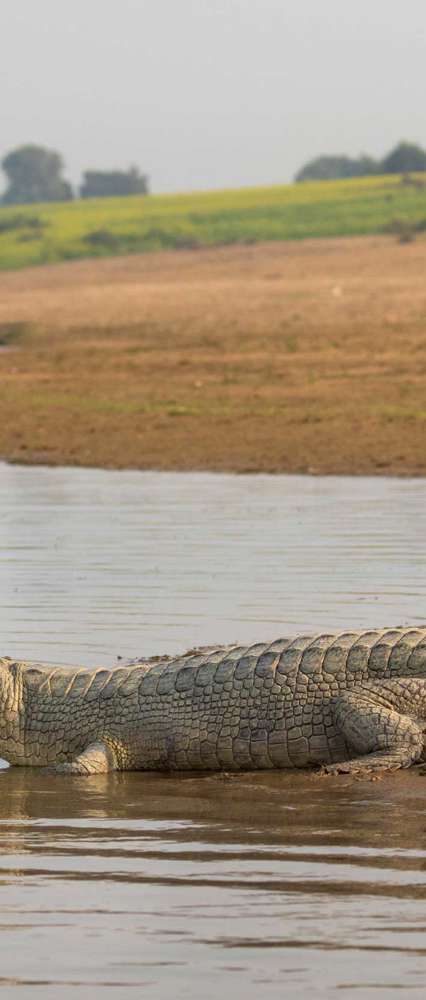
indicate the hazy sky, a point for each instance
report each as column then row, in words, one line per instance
column 211, row 93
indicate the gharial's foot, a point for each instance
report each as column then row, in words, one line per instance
column 371, row 764
column 369, row 774
column 356, row 768
column 71, row 767
column 344, row 767
column 96, row 759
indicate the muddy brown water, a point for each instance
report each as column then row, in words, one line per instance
column 266, row 884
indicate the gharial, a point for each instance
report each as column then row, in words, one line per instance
column 351, row 702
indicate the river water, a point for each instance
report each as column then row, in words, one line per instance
column 266, row 884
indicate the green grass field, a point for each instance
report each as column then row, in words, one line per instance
column 40, row 234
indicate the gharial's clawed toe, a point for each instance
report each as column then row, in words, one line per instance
column 342, row 768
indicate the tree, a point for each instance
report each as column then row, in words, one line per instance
column 337, row 168
column 404, row 158
column 34, row 174
column 110, row 183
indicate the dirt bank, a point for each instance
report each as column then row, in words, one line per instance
column 307, row 357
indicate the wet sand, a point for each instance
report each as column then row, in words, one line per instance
column 292, row 357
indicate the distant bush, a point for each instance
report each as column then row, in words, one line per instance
column 405, row 157
column 113, row 183
column 32, row 223
column 325, row 168
column 413, row 182
column 103, row 238
column 166, row 239
column 405, row 230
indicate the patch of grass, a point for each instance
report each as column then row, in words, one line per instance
column 46, row 401
column 394, row 413
column 72, row 402
column 12, row 334
column 110, row 226
column 181, row 410
column 290, row 343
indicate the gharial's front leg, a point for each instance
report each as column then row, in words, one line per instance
column 97, row 758
column 383, row 736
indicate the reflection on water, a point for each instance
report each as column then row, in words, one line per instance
column 268, row 884
column 97, row 564
column 253, row 885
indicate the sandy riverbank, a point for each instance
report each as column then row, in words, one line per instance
column 292, row 357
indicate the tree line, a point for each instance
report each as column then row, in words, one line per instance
column 36, row 174
column 405, row 158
